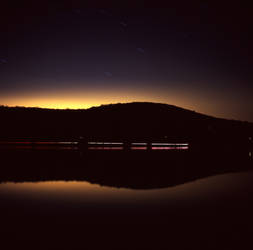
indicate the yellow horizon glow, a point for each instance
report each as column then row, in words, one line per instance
column 78, row 99
column 87, row 98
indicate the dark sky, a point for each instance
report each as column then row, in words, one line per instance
column 194, row 56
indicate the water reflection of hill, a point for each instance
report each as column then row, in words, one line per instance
column 137, row 170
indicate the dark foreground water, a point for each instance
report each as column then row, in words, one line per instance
column 46, row 204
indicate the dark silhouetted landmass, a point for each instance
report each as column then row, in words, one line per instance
column 117, row 121
column 215, row 145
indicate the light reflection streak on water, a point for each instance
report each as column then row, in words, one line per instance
column 46, row 147
column 38, row 143
column 139, row 148
column 169, row 148
column 139, row 143
column 105, row 143
column 96, row 145
column 105, row 148
column 170, row 144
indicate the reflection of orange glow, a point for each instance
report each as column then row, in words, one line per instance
column 81, row 191
column 51, row 185
column 67, row 190
column 59, row 188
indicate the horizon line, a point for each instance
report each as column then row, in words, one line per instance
column 118, row 103
column 94, row 106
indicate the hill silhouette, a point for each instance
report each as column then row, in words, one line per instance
column 117, row 121
column 215, row 145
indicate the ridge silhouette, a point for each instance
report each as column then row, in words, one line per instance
column 118, row 121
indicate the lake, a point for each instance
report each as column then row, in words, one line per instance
column 59, row 200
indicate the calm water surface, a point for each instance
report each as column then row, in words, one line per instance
column 228, row 186
column 209, row 213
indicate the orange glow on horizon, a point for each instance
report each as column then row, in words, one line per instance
column 80, row 99
column 198, row 101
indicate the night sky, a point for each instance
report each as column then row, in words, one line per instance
column 66, row 56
